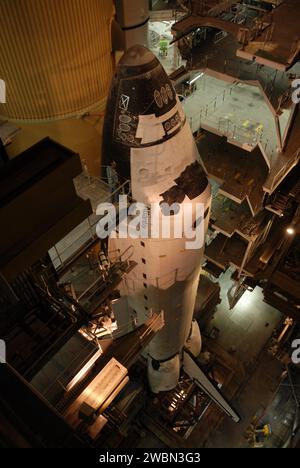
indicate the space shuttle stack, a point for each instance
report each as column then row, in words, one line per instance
column 147, row 134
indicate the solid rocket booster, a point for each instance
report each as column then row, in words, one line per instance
column 133, row 18
column 147, row 134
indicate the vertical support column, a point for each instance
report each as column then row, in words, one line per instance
column 279, row 138
column 248, row 250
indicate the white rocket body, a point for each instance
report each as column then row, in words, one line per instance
column 163, row 164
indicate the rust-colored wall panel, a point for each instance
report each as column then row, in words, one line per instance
column 55, row 56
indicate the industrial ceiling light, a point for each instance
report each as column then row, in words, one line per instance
column 196, row 78
column 290, row 230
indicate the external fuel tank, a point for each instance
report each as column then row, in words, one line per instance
column 57, row 62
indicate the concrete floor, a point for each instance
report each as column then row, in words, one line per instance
column 281, row 415
column 244, row 327
column 223, row 60
column 237, row 111
column 252, row 402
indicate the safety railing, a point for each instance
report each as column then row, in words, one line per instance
column 84, row 234
column 241, row 69
column 207, row 119
column 280, row 174
column 125, row 256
